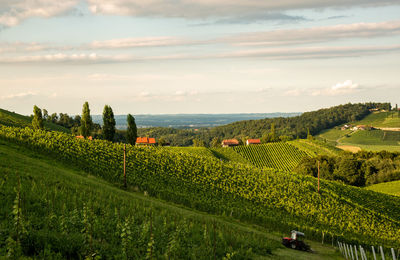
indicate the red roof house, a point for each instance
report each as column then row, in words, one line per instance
column 230, row 142
column 145, row 141
column 82, row 137
column 253, row 141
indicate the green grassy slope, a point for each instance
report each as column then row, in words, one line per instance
column 68, row 213
column 275, row 200
column 315, row 147
column 383, row 119
column 391, row 188
column 13, row 119
column 374, row 140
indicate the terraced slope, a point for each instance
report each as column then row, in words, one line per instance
column 275, row 200
column 280, row 155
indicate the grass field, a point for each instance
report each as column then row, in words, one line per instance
column 373, row 140
column 382, row 119
column 56, row 200
column 392, row 188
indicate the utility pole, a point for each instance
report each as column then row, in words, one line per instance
column 318, row 176
column 125, row 166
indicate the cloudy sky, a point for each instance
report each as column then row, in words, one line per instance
column 197, row 56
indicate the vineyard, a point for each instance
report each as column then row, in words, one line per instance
column 280, row 155
column 57, row 213
column 272, row 199
column 315, row 147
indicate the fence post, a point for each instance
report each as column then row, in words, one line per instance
column 393, row 254
column 355, row 252
column 373, row 252
column 351, row 250
column 340, row 247
column 125, row 166
column 345, row 250
column 382, row 253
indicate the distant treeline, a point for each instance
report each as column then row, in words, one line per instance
column 359, row 169
column 269, row 129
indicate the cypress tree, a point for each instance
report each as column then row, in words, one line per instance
column 37, row 121
column 86, row 121
column 108, row 123
column 131, row 133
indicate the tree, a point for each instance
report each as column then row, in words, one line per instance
column 108, row 123
column 273, row 133
column 37, row 121
column 45, row 114
column 215, row 142
column 86, row 121
column 131, row 133
column 198, row 142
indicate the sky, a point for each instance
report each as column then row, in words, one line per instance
column 197, row 56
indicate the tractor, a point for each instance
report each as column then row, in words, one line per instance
column 296, row 241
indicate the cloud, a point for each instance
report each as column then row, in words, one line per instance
column 342, row 88
column 136, row 42
column 12, row 12
column 266, row 53
column 257, row 18
column 22, row 95
column 315, row 34
column 217, row 8
column 293, row 93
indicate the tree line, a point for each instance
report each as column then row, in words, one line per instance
column 358, row 169
column 268, row 129
column 83, row 125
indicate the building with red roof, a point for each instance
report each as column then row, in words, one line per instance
column 230, row 142
column 253, row 141
column 145, row 141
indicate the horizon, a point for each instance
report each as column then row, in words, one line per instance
column 197, row 57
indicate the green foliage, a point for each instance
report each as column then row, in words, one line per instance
column 198, row 143
column 272, row 199
column 86, row 121
column 108, row 123
column 292, row 127
column 69, row 216
column 37, row 121
column 278, row 155
column 131, row 133
column 362, row 168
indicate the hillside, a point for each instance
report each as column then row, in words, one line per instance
column 274, row 200
column 371, row 140
column 278, row 155
column 285, row 127
column 66, row 213
column 13, row 119
column 391, row 188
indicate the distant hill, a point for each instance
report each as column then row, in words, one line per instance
column 383, row 136
column 13, row 119
column 190, row 120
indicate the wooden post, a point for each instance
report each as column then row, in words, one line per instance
column 125, row 166
column 382, row 253
column 373, row 252
column 318, row 176
column 355, row 252
column 393, row 254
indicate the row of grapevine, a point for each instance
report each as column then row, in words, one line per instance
column 276, row 200
column 315, row 147
column 61, row 216
column 279, row 155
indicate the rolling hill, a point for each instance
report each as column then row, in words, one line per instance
column 13, row 119
column 384, row 136
column 391, row 188
column 271, row 199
